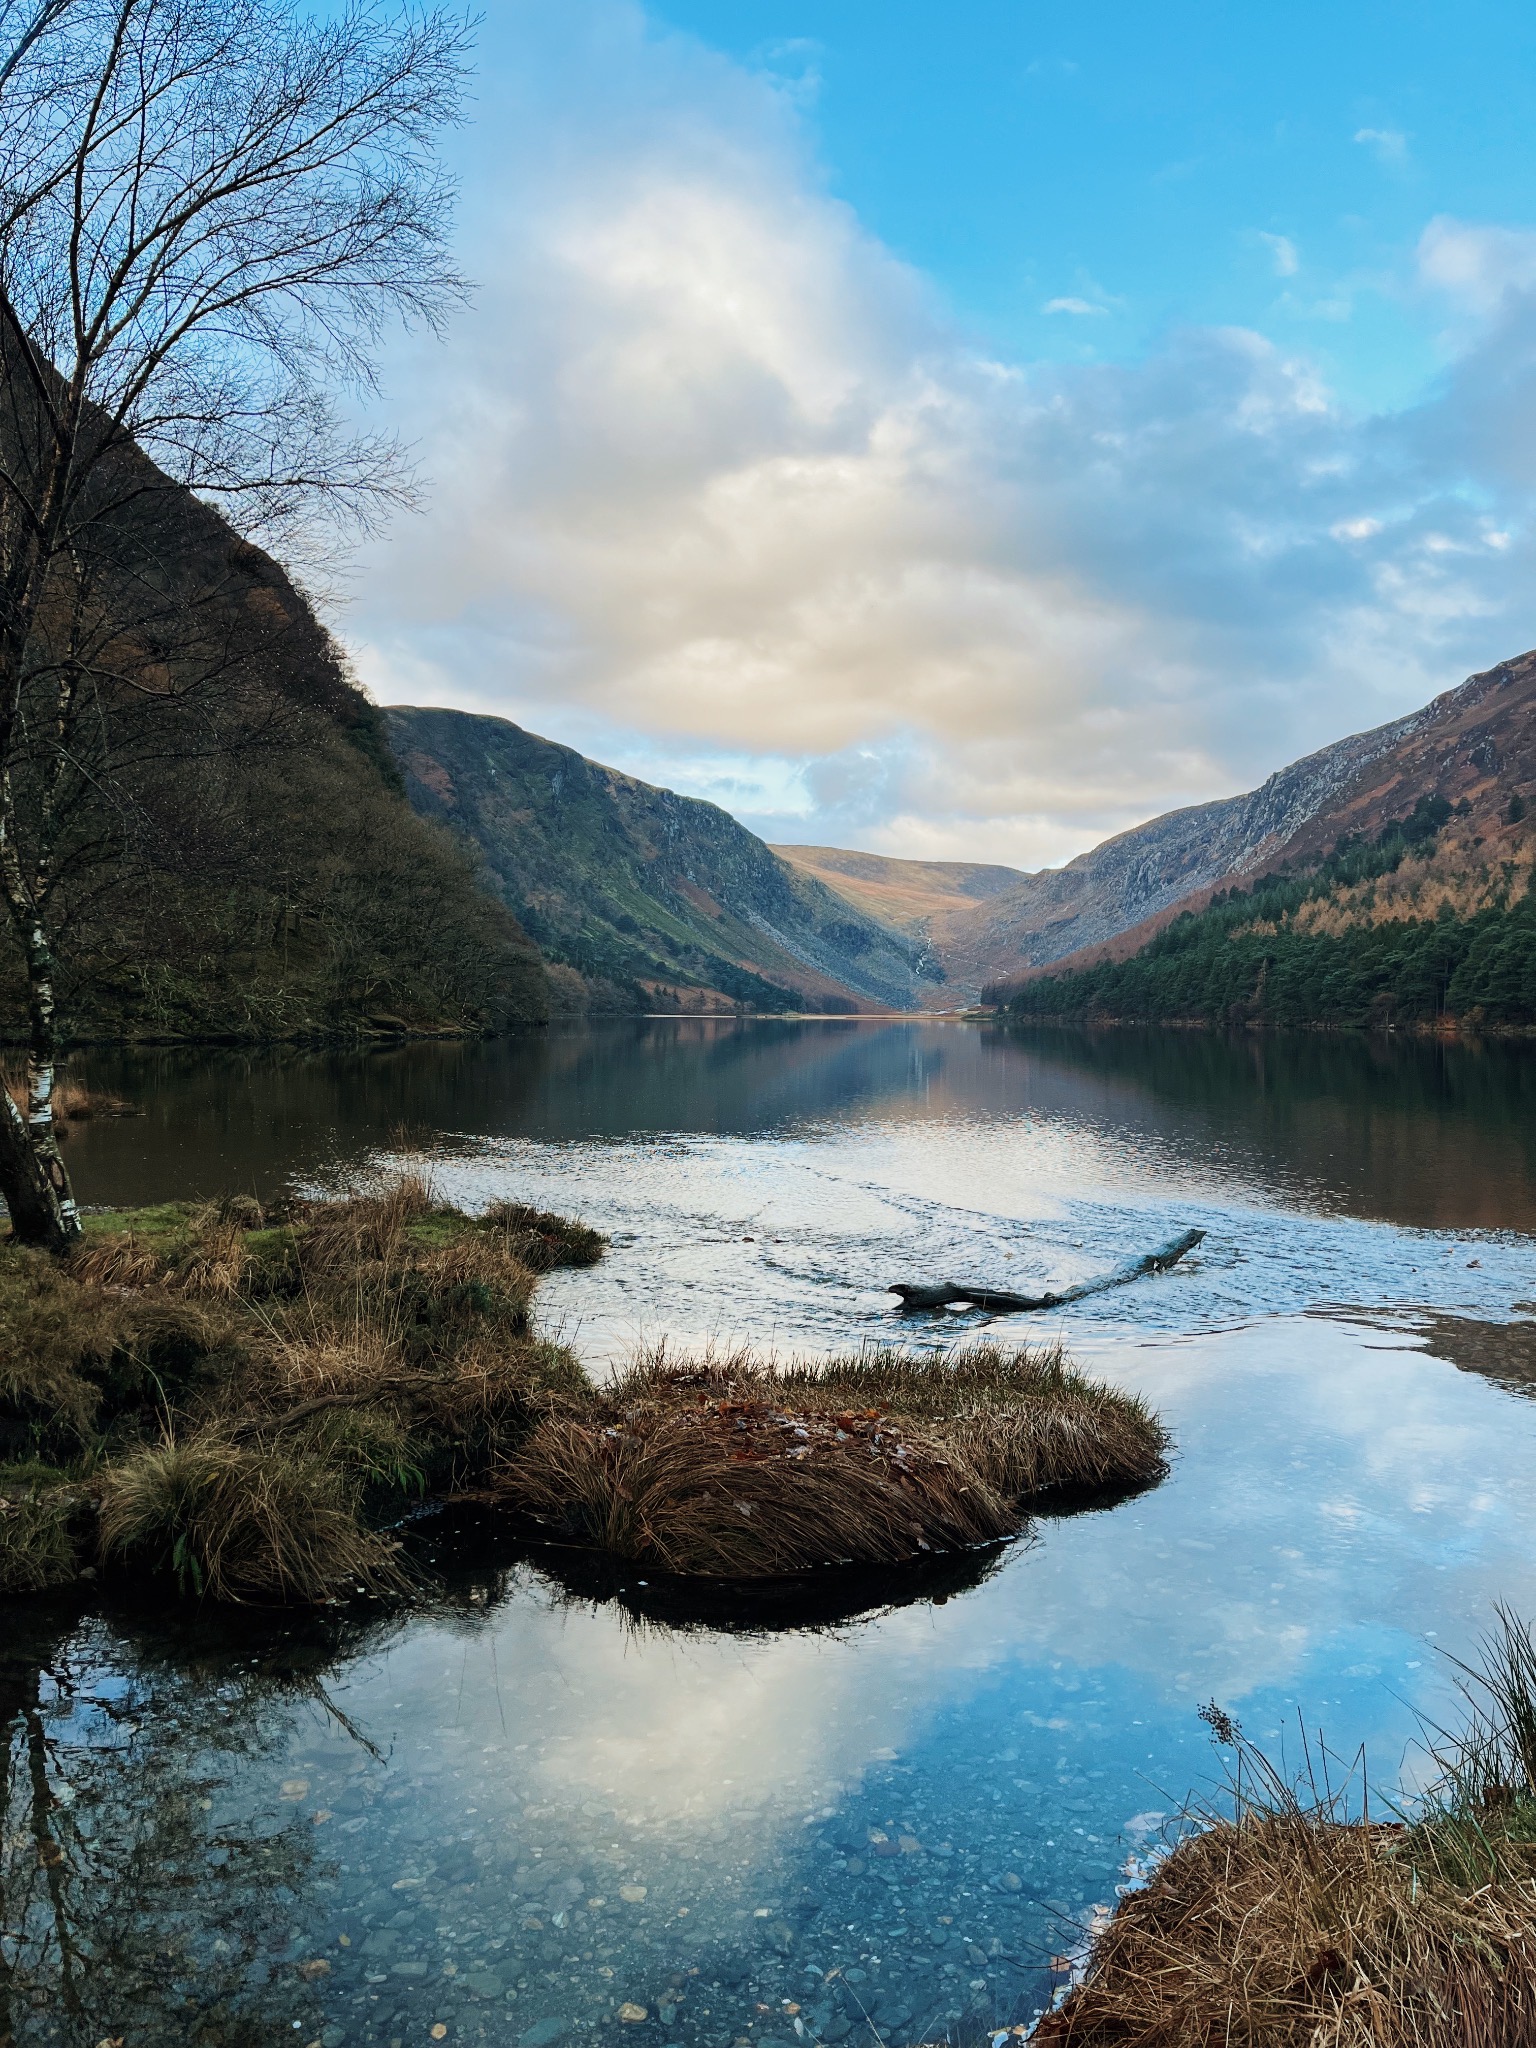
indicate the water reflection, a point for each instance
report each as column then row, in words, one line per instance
column 140, row 1901
column 1427, row 1134
column 528, row 1807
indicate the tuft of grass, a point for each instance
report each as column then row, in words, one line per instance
column 249, row 1396
column 737, row 1467
column 339, row 1235
column 54, row 1332
column 241, row 1522
column 40, row 1516
column 1286, row 1923
column 540, row 1240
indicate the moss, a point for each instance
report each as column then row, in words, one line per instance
column 163, row 1224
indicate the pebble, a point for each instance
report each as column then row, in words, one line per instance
column 544, row 2033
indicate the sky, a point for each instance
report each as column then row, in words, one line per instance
column 963, row 431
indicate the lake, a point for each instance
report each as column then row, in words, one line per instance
column 549, row 1807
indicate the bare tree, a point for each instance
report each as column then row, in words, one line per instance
column 210, row 210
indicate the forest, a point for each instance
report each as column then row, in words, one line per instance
column 1247, row 958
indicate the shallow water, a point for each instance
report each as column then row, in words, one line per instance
column 533, row 1804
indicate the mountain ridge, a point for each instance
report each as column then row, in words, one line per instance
column 654, row 900
column 1472, row 746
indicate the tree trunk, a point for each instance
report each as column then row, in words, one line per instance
column 34, row 1180
column 917, row 1295
column 35, row 1190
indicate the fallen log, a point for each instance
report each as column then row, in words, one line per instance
column 917, row 1296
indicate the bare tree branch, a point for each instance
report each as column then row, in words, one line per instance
column 210, row 212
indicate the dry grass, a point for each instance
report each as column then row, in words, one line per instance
column 53, row 1333
column 38, row 1546
column 237, row 1521
column 543, row 1241
column 369, row 1226
column 248, row 1394
column 1285, row 1924
column 73, row 1101
column 740, row 1468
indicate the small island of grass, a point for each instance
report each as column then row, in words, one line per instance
column 742, row 1468
column 239, row 1404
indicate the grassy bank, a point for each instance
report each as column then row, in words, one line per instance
column 237, row 1401
column 1281, row 1923
column 238, row 1405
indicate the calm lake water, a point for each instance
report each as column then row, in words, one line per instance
column 535, row 1809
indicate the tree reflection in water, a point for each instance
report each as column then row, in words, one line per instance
column 131, row 1907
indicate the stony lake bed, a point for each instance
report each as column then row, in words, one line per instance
column 534, row 1807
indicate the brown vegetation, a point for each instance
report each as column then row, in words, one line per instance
column 740, row 1468
column 242, row 1402
column 1285, row 1924
column 243, row 1398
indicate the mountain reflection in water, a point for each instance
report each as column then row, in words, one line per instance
column 553, row 1793
column 1429, row 1134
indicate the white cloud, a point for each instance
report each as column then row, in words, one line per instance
column 1390, row 144
column 721, row 496
column 1282, row 253
column 1476, row 267
column 1072, row 306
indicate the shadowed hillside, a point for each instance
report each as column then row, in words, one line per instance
column 656, row 901
column 255, row 873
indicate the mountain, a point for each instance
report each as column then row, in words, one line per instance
column 1428, row 923
column 250, row 870
column 990, row 926
column 642, row 899
column 1471, row 750
column 925, row 899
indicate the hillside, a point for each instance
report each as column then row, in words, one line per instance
column 1475, row 745
column 1429, row 922
column 655, row 901
column 1404, row 898
column 923, row 898
column 252, row 871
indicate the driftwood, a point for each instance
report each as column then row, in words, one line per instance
column 916, row 1296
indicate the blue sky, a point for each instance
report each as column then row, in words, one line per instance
column 965, row 431
column 1171, row 165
